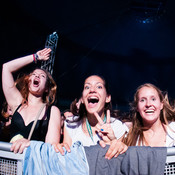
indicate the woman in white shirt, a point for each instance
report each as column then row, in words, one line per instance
column 94, row 123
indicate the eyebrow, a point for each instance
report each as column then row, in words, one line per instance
column 95, row 83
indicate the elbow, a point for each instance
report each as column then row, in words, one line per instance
column 4, row 67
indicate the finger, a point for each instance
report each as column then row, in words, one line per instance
column 120, row 151
column 102, row 143
column 67, row 147
column 60, row 149
column 124, row 149
column 103, row 131
column 15, row 147
column 108, row 153
column 113, row 149
column 113, row 152
column 23, row 146
column 108, row 118
column 46, row 50
column 98, row 118
column 55, row 147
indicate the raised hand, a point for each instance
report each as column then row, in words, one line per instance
column 44, row 54
column 105, row 130
column 107, row 134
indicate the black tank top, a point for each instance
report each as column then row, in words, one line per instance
column 18, row 126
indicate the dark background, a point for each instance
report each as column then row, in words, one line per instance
column 128, row 41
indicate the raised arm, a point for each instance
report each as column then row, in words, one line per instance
column 12, row 95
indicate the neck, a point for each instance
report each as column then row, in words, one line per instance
column 33, row 100
column 93, row 120
column 157, row 125
column 155, row 135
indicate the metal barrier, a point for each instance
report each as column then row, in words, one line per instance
column 170, row 161
column 12, row 164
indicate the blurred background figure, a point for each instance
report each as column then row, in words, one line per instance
column 5, row 122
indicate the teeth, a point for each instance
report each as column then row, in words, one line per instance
column 92, row 98
column 149, row 111
column 36, row 82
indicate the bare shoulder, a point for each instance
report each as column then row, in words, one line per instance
column 53, row 107
column 55, row 111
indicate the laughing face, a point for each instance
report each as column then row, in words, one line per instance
column 94, row 95
column 149, row 105
column 37, row 82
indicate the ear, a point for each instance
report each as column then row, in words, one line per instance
column 108, row 98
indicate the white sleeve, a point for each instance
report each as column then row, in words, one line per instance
column 119, row 128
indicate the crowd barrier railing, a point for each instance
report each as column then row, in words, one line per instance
column 12, row 164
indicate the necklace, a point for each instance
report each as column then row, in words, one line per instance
column 90, row 129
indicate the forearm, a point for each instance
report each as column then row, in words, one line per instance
column 11, row 93
column 18, row 63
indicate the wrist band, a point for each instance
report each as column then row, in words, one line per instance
column 35, row 58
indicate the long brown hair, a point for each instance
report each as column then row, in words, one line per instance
column 167, row 114
column 82, row 109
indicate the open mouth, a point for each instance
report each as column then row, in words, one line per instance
column 149, row 111
column 93, row 100
column 36, row 82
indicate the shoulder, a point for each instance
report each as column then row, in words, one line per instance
column 172, row 125
column 118, row 125
column 116, row 121
column 54, row 109
column 72, row 125
column 55, row 112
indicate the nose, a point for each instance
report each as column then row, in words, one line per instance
column 148, row 103
column 92, row 89
column 37, row 75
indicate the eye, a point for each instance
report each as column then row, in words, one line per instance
column 142, row 100
column 153, row 99
column 43, row 75
column 86, row 87
column 99, row 87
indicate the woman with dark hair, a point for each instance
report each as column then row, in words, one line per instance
column 5, row 122
column 94, row 123
column 152, row 118
column 31, row 101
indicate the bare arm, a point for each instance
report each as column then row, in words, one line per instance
column 67, row 139
column 67, row 142
column 12, row 95
column 54, row 128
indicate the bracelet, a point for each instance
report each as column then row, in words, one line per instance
column 35, row 58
